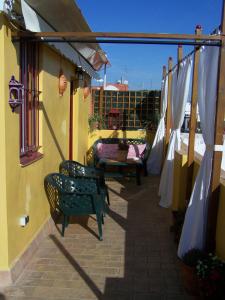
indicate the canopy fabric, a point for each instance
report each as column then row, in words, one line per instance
column 2, row 5
column 52, row 16
column 180, row 91
column 66, row 16
column 35, row 23
column 194, row 228
column 154, row 162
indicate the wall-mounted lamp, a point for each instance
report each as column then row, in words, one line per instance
column 86, row 88
column 62, row 83
column 16, row 93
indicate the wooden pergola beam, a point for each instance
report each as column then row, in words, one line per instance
column 164, row 72
column 163, row 78
column 179, row 54
column 179, row 57
column 128, row 35
column 161, row 105
column 168, row 110
column 218, row 140
column 101, row 96
column 193, row 119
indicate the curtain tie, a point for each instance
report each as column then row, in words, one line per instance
column 210, row 147
column 176, row 129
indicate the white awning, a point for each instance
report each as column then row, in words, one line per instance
column 2, row 5
column 63, row 16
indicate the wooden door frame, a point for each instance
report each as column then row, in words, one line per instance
column 72, row 84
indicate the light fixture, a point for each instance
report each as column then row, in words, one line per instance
column 87, row 88
column 62, row 83
column 16, row 93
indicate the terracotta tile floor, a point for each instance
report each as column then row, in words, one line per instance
column 136, row 260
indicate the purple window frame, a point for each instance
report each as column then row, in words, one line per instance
column 29, row 113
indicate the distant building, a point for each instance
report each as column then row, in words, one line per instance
column 117, row 87
column 114, row 87
column 185, row 126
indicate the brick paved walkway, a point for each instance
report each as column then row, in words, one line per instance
column 136, row 260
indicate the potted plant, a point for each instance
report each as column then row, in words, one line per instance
column 95, row 121
column 176, row 227
column 211, row 277
column 151, row 123
column 188, row 270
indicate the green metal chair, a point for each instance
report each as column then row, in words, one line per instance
column 75, row 197
column 74, row 169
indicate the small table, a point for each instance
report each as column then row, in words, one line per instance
column 129, row 163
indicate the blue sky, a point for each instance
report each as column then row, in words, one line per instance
column 142, row 65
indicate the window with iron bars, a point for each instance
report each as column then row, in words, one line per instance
column 29, row 114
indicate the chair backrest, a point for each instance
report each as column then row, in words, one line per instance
column 70, row 195
column 73, row 168
column 52, row 192
column 66, row 184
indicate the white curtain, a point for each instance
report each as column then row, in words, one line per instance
column 193, row 232
column 180, row 91
column 154, row 162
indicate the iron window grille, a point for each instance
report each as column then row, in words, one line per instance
column 29, row 115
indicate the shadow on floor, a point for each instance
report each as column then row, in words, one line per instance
column 146, row 239
column 135, row 261
column 150, row 263
column 77, row 267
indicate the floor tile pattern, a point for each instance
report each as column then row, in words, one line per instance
column 136, row 260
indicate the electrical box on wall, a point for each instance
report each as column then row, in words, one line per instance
column 24, row 220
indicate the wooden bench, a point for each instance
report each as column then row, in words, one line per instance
column 105, row 153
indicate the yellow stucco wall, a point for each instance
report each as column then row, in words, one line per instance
column 98, row 134
column 21, row 188
column 80, row 128
column 3, row 204
column 220, row 240
column 197, row 163
column 180, row 172
column 180, row 182
column 180, row 179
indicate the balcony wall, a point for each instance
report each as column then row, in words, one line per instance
column 180, row 183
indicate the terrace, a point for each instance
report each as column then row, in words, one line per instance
column 138, row 257
column 135, row 260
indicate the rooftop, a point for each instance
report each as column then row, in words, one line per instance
column 135, row 260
